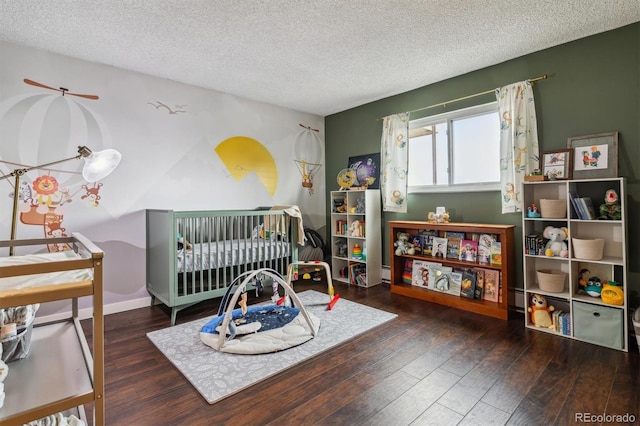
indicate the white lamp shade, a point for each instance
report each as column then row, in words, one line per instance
column 100, row 164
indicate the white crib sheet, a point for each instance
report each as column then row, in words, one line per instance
column 220, row 254
column 35, row 280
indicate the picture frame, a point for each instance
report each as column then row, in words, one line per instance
column 557, row 165
column 594, row 156
column 367, row 168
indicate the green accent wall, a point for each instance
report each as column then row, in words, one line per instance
column 593, row 86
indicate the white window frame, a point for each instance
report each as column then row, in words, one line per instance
column 449, row 117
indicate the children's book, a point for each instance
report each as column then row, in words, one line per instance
column 468, row 285
column 469, row 250
column 439, row 277
column 407, row 271
column 420, row 273
column 491, row 285
column 455, row 284
column 427, row 241
column 416, row 240
column 479, row 291
column 484, row 248
column 453, row 243
column 439, row 247
column 496, row 253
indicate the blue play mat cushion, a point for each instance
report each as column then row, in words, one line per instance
column 270, row 317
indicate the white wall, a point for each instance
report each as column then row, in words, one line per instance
column 169, row 159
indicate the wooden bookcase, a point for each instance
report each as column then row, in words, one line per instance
column 504, row 233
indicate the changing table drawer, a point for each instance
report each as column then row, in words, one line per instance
column 598, row 324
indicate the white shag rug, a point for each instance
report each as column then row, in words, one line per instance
column 217, row 375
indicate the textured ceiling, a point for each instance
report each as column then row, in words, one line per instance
column 316, row 56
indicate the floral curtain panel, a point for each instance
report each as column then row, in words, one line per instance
column 394, row 159
column 519, row 150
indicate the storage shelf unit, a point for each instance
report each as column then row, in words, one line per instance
column 60, row 374
column 355, row 222
column 589, row 318
column 504, row 233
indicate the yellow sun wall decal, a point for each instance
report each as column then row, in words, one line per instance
column 243, row 155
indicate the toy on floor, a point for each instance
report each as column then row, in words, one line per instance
column 540, row 311
column 261, row 328
column 333, row 297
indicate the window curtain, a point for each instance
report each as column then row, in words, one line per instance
column 519, row 150
column 394, row 158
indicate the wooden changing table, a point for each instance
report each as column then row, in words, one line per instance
column 60, row 374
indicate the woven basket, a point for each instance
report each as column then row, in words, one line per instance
column 588, row 249
column 551, row 281
column 553, row 209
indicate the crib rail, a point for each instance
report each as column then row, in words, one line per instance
column 195, row 255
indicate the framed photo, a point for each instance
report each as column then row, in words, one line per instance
column 367, row 168
column 594, row 156
column 557, row 165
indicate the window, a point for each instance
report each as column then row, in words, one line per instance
column 455, row 151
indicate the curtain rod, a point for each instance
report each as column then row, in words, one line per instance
column 532, row 80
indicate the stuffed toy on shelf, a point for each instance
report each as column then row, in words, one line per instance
column 611, row 209
column 540, row 311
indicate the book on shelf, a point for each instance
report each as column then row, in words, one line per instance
column 587, row 207
column 469, row 250
column 453, row 243
column 438, row 276
column 491, row 285
column 358, row 273
column 479, row 290
column 534, row 245
column 439, row 247
column 496, row 253
column 420, row 272
column 455, row 283
column 407, row 271
column 573, row 197
column 484, row 248
column 468, row 285
column 427, row 241
column 416, row 240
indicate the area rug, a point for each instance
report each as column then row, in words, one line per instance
column 217, row 375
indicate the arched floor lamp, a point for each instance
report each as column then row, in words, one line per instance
column 97, row 166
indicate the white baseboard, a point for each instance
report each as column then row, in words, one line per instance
column 87, row 313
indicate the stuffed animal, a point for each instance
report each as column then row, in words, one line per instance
column 611, row 209
column 540, row 311
column 403, row 246
column 556, row 246
column 355, row 230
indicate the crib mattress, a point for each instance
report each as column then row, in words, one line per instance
column 35, row 280
column 220, row 254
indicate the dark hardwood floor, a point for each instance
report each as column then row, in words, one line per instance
column 431, row 365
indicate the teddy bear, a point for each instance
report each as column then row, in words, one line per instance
column 403, row 245
column 540, row 311
column 556, row 246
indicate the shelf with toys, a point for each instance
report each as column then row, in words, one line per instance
column 355, row 237
column 575, row 259
column 466, row 275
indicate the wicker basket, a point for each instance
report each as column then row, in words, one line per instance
column 551, row 281
column 588, row 249
column 553, row 209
